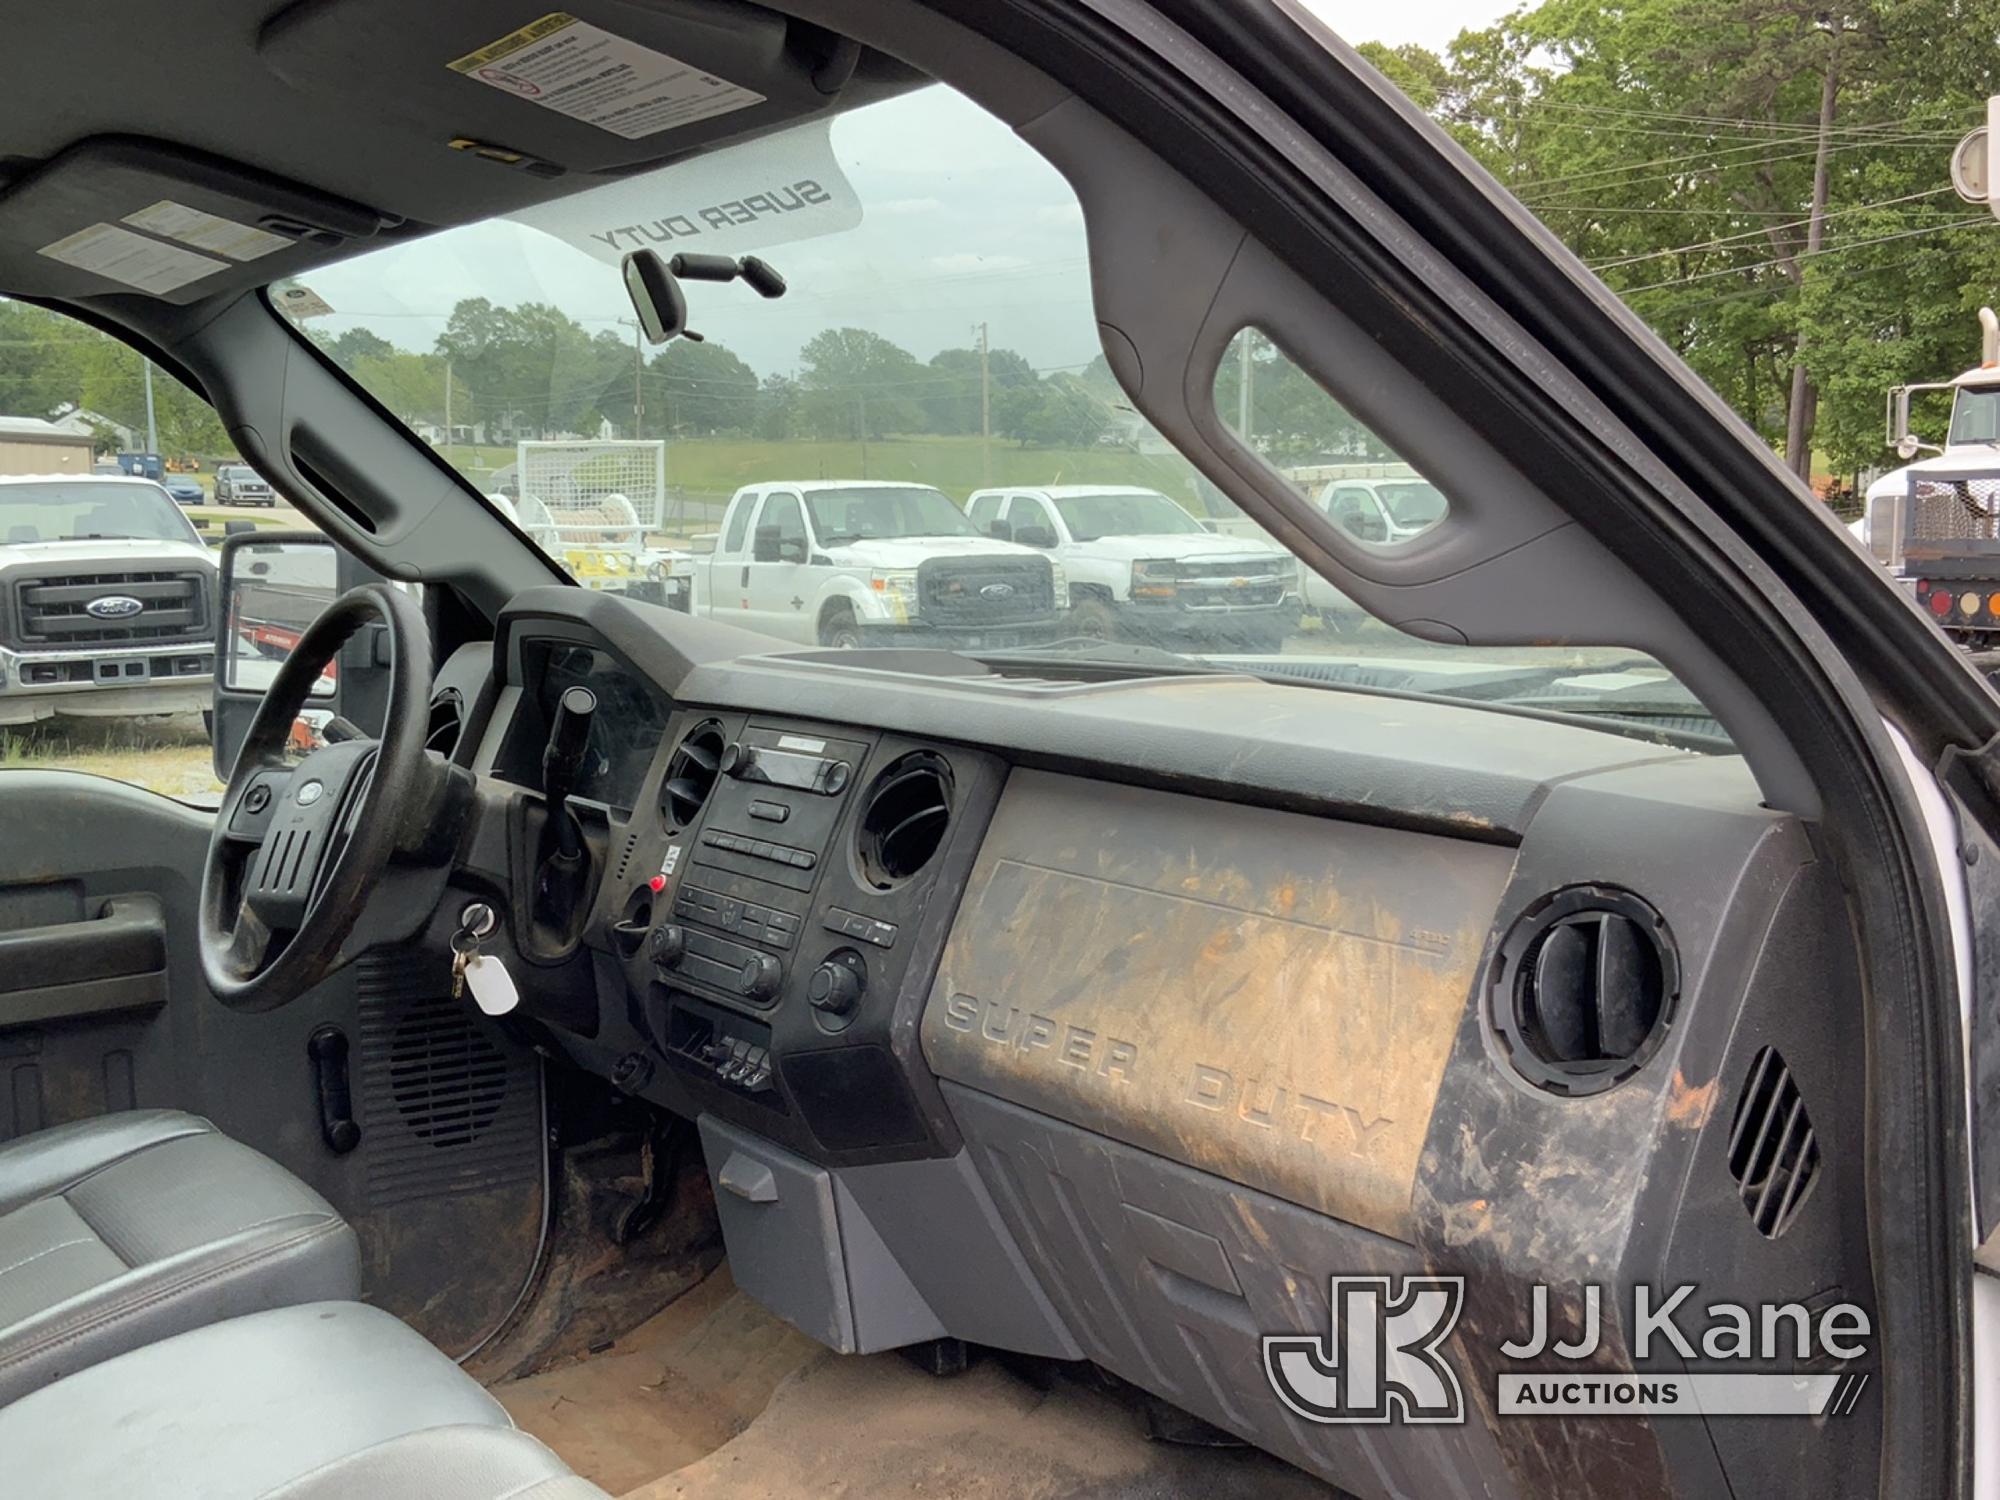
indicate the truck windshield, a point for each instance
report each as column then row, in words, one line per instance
column 883, row 512
column 89, row 511
column 1975, row 417
column 1413, row 504
column 1124, row 513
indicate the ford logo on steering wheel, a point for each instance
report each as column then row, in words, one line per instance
column 114, row 607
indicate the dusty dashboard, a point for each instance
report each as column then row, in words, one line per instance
column 1099, row 1019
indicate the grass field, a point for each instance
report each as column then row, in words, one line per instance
column 704, row 472
column 166, row 753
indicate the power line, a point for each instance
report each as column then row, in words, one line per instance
column 1760, row 232
column 1806, row 255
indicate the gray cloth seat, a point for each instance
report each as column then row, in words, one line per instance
column 331, row 1399
column 127, row 1228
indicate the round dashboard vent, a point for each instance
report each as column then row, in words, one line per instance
column 904, row 818
column 1583, row 989
column 691, row 773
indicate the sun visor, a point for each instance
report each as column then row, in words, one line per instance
column 597, row 87
column 773, row 191
column 118, row 215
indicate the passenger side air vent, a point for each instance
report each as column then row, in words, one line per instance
column 691, row 774
column 1773, row 1154
column 904, row 818
column 1583, row 989
column 447, row 722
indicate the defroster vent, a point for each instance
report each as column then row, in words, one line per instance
column 1773, row 1153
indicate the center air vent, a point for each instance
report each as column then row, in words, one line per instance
column 1583, row 989
column 691, row 773
column 904, row 818
column 1773, row 1153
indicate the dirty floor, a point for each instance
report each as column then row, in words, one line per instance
column 714, row 1399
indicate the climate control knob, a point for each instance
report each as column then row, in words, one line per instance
column 834, row 988
column 667, row 944
column 760, row 977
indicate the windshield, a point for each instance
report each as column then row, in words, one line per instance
column 87, row 511
column 882, row 513
column 1975, row 417
column 937, row 331
column 1131, row 513
column 1413, row 504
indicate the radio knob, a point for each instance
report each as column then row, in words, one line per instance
column 667, row 943
column 760, row 977
column 738, row 758
column 834, row 988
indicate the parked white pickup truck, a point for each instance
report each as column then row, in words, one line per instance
column 868, row 562
column 1141, row 566
column 107, row 600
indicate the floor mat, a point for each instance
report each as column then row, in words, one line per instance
column 714, row 1399
column 676, row 1388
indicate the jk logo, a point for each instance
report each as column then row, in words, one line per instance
column 1379, row 1362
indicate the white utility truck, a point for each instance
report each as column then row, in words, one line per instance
column 860, row 562
column 1935, row 523
column 1141, row 566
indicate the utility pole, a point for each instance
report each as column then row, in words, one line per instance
column 985, row 413
column 1804, row 399
column 152, row 428
column 447, row 411
column 638, row 369
column 861, row 406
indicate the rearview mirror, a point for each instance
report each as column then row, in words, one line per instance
column 656, row 297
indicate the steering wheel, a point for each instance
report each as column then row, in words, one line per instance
column 298, row 846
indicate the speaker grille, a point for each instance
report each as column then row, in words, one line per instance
column 444, row 1107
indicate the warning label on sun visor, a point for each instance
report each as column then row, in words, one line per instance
column 773, row 191
column 120, row 255
column 589, row 74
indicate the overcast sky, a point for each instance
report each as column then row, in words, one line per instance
column 938, row 219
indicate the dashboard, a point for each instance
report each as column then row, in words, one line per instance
column 1108, row 1019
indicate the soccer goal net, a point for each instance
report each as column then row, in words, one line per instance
column 594, row 487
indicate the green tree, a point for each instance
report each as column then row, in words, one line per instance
column 855, row 383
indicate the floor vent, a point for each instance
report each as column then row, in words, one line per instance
column 1773, row 1154
column 444, row 1107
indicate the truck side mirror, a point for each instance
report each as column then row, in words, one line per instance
column 272, row 586
column 769, row 545
column 1035, row 536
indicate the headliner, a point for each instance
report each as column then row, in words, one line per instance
column 337, row 114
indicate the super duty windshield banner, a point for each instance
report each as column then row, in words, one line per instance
column 775, row 191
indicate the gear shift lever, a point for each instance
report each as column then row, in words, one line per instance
column 564, row 874
column 569, row 738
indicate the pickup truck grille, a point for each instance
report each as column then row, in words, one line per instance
column 53, row 612
column 985, row 590
column 1226, row 583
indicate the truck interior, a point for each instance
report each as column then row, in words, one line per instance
column 632, row 1056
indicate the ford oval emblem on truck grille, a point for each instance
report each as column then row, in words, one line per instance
column 997, row 591
column 114, row 607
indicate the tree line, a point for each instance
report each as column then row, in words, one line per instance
column 48, row 362
column 533, row 370
column 1764, row 181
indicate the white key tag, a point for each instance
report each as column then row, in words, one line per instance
column 493, row 988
